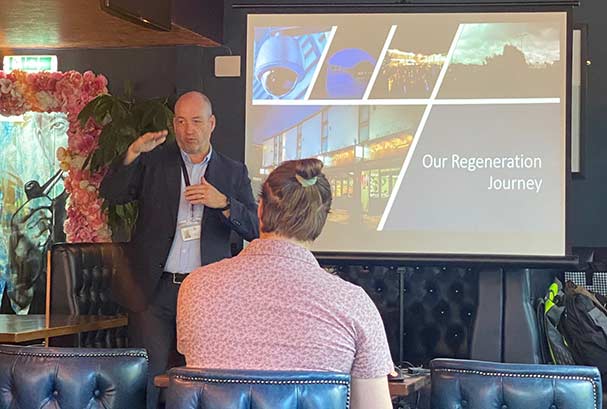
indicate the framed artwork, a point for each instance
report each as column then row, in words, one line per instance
column 43, row 148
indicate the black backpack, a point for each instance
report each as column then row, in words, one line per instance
column 580, row 316
column 554, row 348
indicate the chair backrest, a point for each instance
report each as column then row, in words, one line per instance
column 193, row 388
column 481, row 385
column 36, row 377
column 81, row 279
column 432, row 310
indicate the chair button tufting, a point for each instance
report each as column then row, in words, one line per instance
column 55, row 393
column 504, row 406
column 97, row 393
column 464, row 403
column 553, row 406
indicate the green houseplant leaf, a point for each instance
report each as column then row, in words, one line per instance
column 123, row 119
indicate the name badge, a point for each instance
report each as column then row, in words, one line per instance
column 191, row 231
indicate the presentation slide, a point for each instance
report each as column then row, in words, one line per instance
column 441, row 133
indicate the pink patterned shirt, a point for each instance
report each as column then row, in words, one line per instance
column 274, row 308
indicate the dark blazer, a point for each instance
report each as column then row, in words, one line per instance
column 154, row 181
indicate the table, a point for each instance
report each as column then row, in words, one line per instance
column 22, row 328
column 397, row 388
column 408, row 385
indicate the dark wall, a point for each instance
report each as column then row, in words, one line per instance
column 201, row 16
column 587, row 198
column 150, row 70
column 588, row 194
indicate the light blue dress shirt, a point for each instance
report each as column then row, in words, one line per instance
column 184, row 256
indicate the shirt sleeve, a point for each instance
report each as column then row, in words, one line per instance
column 372, row 358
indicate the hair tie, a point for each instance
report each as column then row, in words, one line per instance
column 305, row 182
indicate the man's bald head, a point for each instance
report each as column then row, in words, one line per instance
column 195, row 98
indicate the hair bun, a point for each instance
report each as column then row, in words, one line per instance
column 309, row 168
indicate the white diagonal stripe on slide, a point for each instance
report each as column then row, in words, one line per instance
column 420, row 128
column 321, row 61
column 380, row 61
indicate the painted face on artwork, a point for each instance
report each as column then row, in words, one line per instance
column 193, row 123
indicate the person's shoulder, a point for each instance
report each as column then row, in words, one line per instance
column 341, row 286
column 351, row 299
column 354, row 293
column 226, row 162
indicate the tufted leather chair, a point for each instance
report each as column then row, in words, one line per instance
column 81, row 279
column 192, row 388
column 481, row 385
column 440, row 306
column 70, row 378
column 433, row 310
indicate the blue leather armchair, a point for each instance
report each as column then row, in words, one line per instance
column 70, row 378
column 487, row 385
column 192, row 388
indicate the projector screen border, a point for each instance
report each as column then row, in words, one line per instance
column 407, row 4
column 448, row 259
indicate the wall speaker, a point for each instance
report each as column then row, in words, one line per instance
column 227, row 66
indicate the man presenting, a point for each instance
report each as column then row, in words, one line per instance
column 190, row 199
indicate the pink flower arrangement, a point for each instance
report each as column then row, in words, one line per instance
column 66, row 92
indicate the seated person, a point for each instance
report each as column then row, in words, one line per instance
column 273, row 307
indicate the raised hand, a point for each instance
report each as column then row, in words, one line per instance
column 145, row 143
column 205, row 194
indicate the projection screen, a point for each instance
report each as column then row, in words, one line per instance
column 440, row 133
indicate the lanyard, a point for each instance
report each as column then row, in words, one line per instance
column 186, row 179
column 184, row 170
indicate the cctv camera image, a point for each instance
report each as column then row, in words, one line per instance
column 440, row 133
column 285, row 59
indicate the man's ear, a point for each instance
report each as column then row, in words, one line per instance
column 213, row 122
